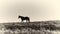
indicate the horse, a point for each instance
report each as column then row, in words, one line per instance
column 24, row 18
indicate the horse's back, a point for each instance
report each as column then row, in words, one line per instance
column 27, row 18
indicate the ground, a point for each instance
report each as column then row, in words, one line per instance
column 37, row 27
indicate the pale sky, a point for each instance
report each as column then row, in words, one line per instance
column 37, row 10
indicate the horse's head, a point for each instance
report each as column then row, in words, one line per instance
column 19, row 16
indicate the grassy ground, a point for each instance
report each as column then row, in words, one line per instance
column 42, row 27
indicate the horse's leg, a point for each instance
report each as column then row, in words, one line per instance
column 29, row 20
column 26, row 20
column 21, row 21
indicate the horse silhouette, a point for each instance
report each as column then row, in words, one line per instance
column 24, row 18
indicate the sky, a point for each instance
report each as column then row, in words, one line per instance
column 37, row 10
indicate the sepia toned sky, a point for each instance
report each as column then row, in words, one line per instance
column 37, row 10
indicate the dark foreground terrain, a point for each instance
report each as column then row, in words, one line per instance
column 42, row 27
